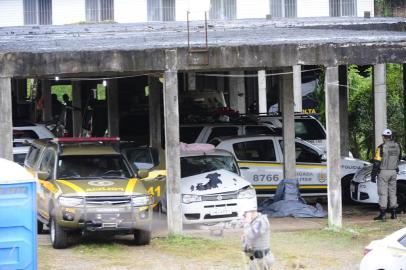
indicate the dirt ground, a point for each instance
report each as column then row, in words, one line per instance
column 296, row 244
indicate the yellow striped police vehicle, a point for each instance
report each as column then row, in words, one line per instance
column 260, row 159
column 86, row 185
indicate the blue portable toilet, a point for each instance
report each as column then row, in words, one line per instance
column 18, row 218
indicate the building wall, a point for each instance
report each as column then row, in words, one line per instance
column 365, row 5
column 313, row 8
column 65, row 12
column 11, row 12
column 127, row 11
column 246, row 9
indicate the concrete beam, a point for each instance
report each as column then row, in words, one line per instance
column 155, row 93
column 112, row 108
column 288, row 126
column 262, row 100
column 115, row 61
column 77, row 107
column 343, row 109
column 380, row 102
column 297, row 87
column 6, row 119
column 237, row 91
column 333, row 148
column 46, row 95
column 172, row 151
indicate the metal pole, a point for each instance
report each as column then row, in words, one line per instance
column 172, row 150
column 6, row 119
column 333, row 148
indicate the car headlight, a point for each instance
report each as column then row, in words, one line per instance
column 142, row 200
column 70, row 201
column 190, row 198
column 246, row 193
column 362, row 177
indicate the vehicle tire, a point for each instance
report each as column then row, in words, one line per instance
column 40, row 227
column 345, row 189
column 142, row 237
column 401, row 196
column 59, row 237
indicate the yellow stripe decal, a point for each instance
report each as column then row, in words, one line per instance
column 130, row 186
column 257, row 164
column 301, row 187
column 76, row 188
column 48, row 185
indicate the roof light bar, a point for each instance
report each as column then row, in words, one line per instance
column 88, row 139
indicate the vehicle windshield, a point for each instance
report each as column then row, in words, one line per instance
column 309, row 129
column 202, row 164
column 101, row 166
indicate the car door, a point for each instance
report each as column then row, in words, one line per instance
column 47, row 188
column 310, row 170
column 259, row 164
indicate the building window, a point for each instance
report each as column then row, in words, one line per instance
column 340, row 8
column 223, row 9
column 161, row 10
column 283, row 8
column 37, row 12
column 99, row 10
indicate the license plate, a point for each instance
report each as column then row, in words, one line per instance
column 220, row 212
column 352, row 188
column 109, row 225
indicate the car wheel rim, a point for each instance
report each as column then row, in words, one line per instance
column 52, row 231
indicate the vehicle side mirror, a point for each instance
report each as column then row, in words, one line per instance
column 143, row 173
column 43, row 175
column 323, row 157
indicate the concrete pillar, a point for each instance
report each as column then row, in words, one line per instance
column 77, row 109
column 288, row 126
column 155, row 92
column 297, row 87
column 112, row 108
column 262, row 102
column 333, row 147
column 343, row 109
column 404, row 102
column 379, row 102
column 191, row 81
column 6, row 119
column 172, row 151
column 237, row 91
column 46, row 94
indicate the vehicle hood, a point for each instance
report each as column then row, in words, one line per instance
column 213, row 182
column 353, row 164
column 100, row 187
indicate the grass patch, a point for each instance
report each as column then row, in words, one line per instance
column 210, row 250
column 99, row 248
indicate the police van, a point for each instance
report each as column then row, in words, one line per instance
column 260, row 159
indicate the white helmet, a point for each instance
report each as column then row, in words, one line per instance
column 387, row 132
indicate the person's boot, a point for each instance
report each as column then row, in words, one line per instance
column 393, row 214
column 382, row 215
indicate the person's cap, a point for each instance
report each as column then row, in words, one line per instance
column 387, row 132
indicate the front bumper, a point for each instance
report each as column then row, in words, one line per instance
column 366, row 192
column 105, row 218
column 216, row 211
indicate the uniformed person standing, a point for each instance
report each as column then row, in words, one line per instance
column 385, row 168
column 255, row 241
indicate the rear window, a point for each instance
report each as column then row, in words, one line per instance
column 24, row 134
column 223, row 132
column 309, row 129
column 189, row 134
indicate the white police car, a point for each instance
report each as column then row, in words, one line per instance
column 260, row 159
column 365, row 191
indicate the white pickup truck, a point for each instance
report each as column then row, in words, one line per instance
column 260, row 159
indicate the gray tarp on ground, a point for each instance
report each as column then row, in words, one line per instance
column 288, row 202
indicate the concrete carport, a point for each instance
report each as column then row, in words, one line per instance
column 115, row 50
